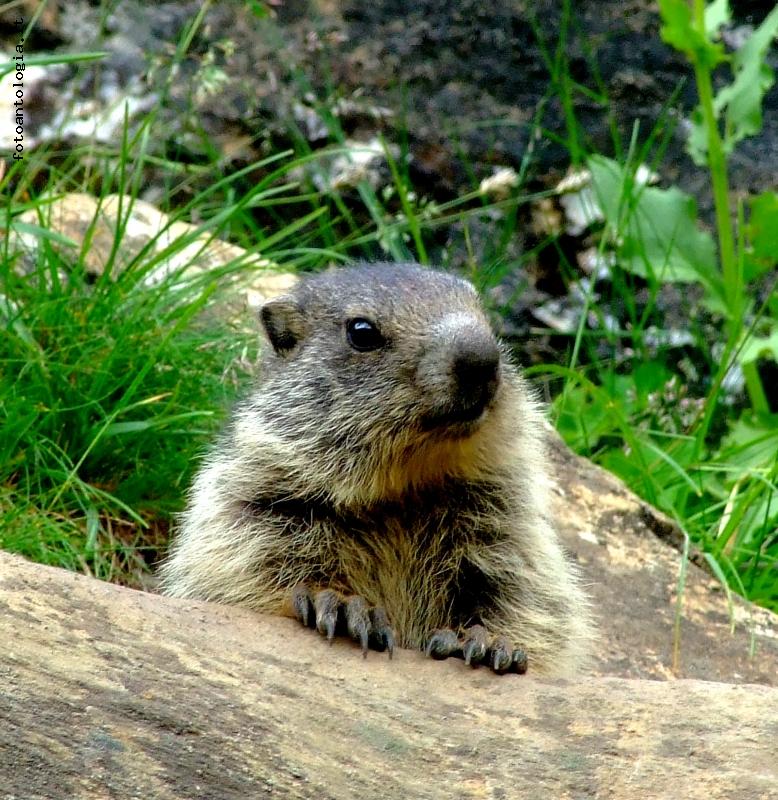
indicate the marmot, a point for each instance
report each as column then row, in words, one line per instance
column 387, row 478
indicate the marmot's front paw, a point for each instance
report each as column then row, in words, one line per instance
column 331, row 613
column 476, row 646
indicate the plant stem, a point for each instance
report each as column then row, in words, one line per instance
column 564, row 83
column 717, row 166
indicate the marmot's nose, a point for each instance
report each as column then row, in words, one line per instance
column 475, row 369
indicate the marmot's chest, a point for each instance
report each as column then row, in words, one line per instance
column 409, row 566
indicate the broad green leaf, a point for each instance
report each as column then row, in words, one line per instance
column 742, row 99
column 656, row 229
column 677, row 18
column 584, row 418
column 760, row 347
column 650, row 376
column 259, row 9
column 754, row 267
column 716, row 15
column 678, row 30
column 763, row 227
column 697, row 140
column 761, row 511
column 751, row 443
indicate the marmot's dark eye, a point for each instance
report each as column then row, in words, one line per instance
column 363, row 335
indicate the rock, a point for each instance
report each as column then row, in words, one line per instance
column 109, row 692
column 149, row 236
column 631, row 558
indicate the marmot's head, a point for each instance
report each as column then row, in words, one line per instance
column 389, row 371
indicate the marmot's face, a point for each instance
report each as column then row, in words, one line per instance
column 385, row 350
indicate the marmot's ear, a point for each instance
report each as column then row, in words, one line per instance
column 284, row 323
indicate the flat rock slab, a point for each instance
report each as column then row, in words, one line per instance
column 630, row 555
column 106, row 692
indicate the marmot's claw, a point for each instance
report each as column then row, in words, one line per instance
column 381, row 633
column 475, row 645
column 326, row 604
column 332, row 614
column 302, row 605
column 358, row 621
column 500, row 655
column 443, row 643
column 519, row 661
column 504, row 658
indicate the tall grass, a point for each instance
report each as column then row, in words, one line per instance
column 109, row 388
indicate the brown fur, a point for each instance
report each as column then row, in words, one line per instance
column 331, row 474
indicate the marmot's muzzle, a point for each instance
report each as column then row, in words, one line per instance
column 475, row 372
